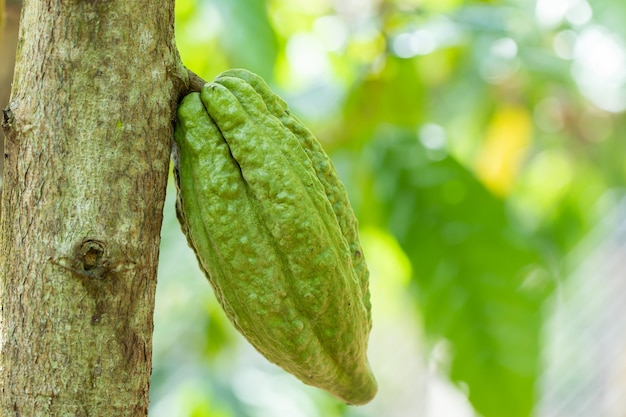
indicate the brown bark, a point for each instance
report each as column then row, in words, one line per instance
column 88, row 135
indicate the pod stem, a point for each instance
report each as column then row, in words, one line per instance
column 195, row 82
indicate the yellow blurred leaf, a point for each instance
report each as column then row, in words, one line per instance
column 389, row 267
column 507, row 138
column 441, row 5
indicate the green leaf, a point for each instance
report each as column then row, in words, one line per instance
column 479, row 282
column 247, row 37
column 394, row 96
column 220, row 337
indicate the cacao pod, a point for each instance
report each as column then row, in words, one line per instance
column 271, row 225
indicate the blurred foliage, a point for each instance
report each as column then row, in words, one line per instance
column 479, row 143
column 476, row 276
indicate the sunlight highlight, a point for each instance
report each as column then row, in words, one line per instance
column 552, row 13
column 600, row 68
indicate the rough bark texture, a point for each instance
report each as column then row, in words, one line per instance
column 88, row 134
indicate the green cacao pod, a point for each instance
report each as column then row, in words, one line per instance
column 272, row 228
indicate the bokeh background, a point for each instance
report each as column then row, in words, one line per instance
column 481, row 145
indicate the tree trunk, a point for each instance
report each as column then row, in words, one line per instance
column 88, row 133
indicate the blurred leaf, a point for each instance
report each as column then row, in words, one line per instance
column 197, row 30
column 575, row 213
column 506, row 141
column 393, row 96
column 441, row 5
column 220, row 334
column 200, row 404
column 248, row 38
column 479, row 282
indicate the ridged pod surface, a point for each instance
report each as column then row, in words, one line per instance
column 272, row 228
